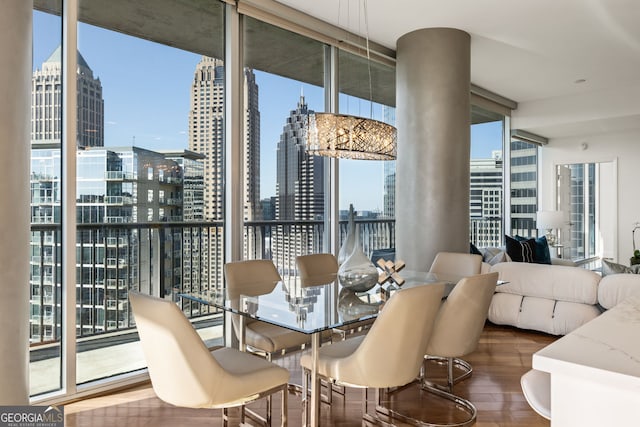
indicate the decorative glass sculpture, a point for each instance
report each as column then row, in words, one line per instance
column 349, row 241
column 351, row 307
column 358, row 272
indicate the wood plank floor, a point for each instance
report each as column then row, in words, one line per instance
column 503, row 355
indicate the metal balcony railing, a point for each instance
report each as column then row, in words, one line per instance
column 163, row 259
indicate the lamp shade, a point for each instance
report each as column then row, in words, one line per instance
column 549, row 220
column 349, row 137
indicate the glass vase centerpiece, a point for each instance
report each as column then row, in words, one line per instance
column 356, row 272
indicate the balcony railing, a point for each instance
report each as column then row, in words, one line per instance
column 164, row 259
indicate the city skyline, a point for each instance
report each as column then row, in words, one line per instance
column 141, row 109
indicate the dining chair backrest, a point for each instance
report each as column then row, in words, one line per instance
column 462, row 316
column 391, row 353
column 317, row 269
column 456, row 264
column 251, row 277
column 182, row 370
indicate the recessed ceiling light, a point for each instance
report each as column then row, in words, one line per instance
column 580, row 81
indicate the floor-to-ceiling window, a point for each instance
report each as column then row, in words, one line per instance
column 578, row 190
column 486, row 167
column 45, row 315
column 149, row 154
column 367, row 89
column 283, row 185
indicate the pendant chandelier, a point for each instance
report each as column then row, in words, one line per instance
column 351, row 137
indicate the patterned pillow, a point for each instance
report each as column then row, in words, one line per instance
column 542, row 254
column 524, row 251
column 609, row 268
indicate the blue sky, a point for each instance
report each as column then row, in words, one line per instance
column 146, row 90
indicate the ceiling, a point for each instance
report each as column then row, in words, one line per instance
column 573, row 66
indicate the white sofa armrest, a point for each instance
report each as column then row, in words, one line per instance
column 614, row 288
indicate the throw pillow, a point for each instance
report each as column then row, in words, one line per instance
column 609, row 267
column 542, row 254
column 473, row 249
column 494, row 255
column 523, row 251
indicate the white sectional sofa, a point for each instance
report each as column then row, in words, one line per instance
column 555, row 299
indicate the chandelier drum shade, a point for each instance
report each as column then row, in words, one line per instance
column 349, row 137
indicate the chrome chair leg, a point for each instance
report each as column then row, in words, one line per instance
column 285, row 408
column 464, row 366
column 305, row 397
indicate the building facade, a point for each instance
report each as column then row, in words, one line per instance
column 485, row 202
column 46, row 103
column 299, row 192
column 133, row 191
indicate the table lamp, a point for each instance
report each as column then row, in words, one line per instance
column 549, row 221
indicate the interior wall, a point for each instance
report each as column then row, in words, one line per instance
column 622, row 147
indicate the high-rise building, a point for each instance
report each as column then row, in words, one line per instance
column 524, row 187
column 299, row 191
column 299, row 176
column 46, row 103
column 206, row 136
column 485, row 201
column 117, row 186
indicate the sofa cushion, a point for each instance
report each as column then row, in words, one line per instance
column 554, row 282
column 540, row 314
column 521, row 251
column 614, row 288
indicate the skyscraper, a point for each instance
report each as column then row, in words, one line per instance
column 299, row 191
column 206, row 136
column 485, row 201
column 46, row 104
column 524, row 187
column 299, row 176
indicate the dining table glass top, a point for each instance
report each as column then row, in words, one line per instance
column 308, row 309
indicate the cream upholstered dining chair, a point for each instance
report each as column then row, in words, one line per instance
column 457, row 330
column 252, row 278
column 317, row 269
column 185, row 373
column 320, row 269
column 456, row 264
column 391, row 353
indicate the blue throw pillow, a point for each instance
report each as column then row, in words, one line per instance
column 473, row 249
column 520, row 251
column 542, row 254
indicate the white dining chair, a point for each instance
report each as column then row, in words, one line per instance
column 456, row 333
column 390, row 354
column 252, row 278
column 456, row 264
column 185, row 373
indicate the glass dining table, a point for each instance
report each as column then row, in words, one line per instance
column 312, row 310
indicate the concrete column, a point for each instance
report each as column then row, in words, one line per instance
column 15, row 93
column 432, row 168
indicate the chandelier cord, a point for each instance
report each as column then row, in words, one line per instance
column 366, row 29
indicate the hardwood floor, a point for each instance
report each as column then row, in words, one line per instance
column 503, row 355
